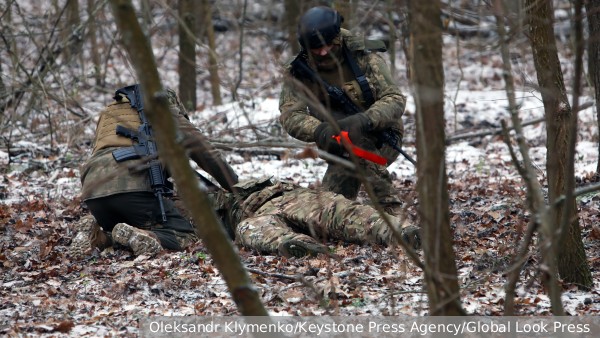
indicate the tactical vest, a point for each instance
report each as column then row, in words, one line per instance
column 348, row 76
column 117, row 113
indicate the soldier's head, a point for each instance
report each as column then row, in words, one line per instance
column 318, row 28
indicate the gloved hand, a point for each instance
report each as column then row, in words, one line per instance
column 356, row 125
column 324, row 139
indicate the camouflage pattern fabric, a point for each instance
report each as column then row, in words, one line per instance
column 341, row 180
column 102, row 176
column 300, row 117
column 287, row 212
column 112, row 190
column 141, row 209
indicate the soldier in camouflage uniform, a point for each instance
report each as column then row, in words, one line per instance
column 289, row 220
column 331, row 52
column 122, row 201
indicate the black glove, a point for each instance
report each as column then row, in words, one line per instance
column 357, row 126
column 324, row 139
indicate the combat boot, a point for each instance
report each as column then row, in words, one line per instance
column 298, row 248
column 411, row 235
column 142, row 242
column 89, row 236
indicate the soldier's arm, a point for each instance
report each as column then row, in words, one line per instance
column 201, row 151
column 294, row 117
column 389, row 101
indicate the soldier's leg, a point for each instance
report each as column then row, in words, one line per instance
column 341, row 180
column 175, row 234
column 89, row 236
column 142, row 242
column 107, row 210
column 268, row 233
column 384, row 190
column 141, row 210
column 325, row 214
column 381, row 182
column 115, row 213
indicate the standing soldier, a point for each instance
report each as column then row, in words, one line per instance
column 123, row 201
column 289, row 220
column 368, row 106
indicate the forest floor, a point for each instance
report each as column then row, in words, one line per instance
column 45, row 291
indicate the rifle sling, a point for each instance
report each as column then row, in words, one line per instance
column 301, row 62
column 360, row 77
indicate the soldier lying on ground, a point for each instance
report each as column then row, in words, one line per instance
column 281, row 218
column 123, row 201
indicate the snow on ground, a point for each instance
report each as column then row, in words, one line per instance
column 109, row 293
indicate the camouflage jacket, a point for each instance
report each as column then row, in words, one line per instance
column 250, row 195
column 248, row 215
column 102, row 176
column 300, row 120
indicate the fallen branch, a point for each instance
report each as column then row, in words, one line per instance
column 458, row 136
column 275, row 275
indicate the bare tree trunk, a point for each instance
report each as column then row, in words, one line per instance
column 93, row 38
column 428, row 87
column 212, row 233
column 347, row 9
column 146, row 16
column 72, row 20
column 213, row 66
column 592, row 7
column 535, row 198
column 292, row 14
column 240, row 75
column 572, row 263
column 569, row 231
column 390, row 5
column 187, row 54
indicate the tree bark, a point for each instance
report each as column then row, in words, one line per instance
column 72, row 20
column 292, row 15
column 213, row 60
column 94, row 49
column 535, row 196
column 187, row 54
column 571, row 259
column 428, row 87
column 347, row 9
column 212, row 233
column 592, row 8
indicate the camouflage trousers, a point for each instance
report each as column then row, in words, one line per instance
column 322, row 214
column 142, row 210
column 341, row 180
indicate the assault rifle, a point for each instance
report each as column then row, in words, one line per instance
column 339, row 96
column 144, row 146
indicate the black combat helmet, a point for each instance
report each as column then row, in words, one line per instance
column 318, row 27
